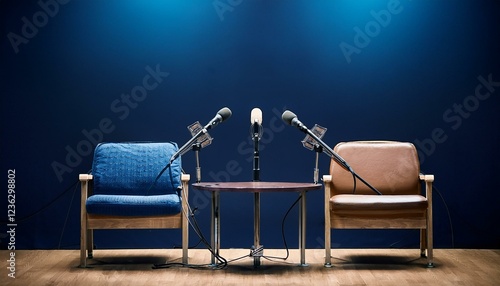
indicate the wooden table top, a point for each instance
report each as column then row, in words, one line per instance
column 256, row 186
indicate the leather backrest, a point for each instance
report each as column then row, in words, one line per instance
column 391, row 167
column 131, row 168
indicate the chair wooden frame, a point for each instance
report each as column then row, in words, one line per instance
column 422, row 222
column 89, row 222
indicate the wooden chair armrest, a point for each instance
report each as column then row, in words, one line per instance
column 85, row 177
column 185, row 177
column 327, row 178
column 426, row 178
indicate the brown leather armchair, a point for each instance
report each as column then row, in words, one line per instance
column 393, row 169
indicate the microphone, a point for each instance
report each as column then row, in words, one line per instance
column 222, row 115
column 256, row 121
column 256, row 116
column 291, row 119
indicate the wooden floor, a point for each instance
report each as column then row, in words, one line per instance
column 350, row 267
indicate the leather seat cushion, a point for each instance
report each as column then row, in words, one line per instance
column 375, row 203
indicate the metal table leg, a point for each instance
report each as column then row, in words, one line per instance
column 256, row 230
column 215, row 226
column 302, row 229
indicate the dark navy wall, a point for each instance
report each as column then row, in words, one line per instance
column 75, row 73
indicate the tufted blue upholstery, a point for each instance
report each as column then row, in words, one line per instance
column 123, row 174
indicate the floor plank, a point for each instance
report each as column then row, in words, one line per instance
column 350, row 267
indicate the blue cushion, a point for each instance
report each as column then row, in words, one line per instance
column 124, row 174
column 134, row 205
column 131, row 169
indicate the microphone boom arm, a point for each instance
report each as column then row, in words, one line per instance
column 188, row 145
column 326, row 149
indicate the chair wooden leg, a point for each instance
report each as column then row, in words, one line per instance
column 185, row 218
column 328, row 252
column 83, row 245
column 90, row 243
column 328, row 226
column 185, row 243
column 429, row 230
column 430, row 257
column 423, row 242
column 83, row 236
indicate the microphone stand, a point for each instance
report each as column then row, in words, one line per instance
column 196, row 149
column 318, row 150
column 257, row 249
column 256, row 167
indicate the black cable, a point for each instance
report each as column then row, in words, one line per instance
column 342, row 163
column 189, row 215
column 270, row 258
column 194, row 223
column 364, row 182
column 449, row 216
column 158, row 177
column 42, row 209
column 67, row 216
column 161, row 173
column 283, row 231
column 189, row 247
column 353, row 182
column 239, row 258
column 447, row 211
column 222, row 262
column 355, row 175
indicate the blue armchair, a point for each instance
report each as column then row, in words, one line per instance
column 120, row 193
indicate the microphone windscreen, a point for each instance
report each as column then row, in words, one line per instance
column 256, row 116
column 225, row 113
column 288, row 116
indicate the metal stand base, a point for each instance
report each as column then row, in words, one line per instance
column 303, row 265
column 256, row 253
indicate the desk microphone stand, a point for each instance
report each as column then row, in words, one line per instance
column 318, row 150
column 196, row 149
column 257, row 250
